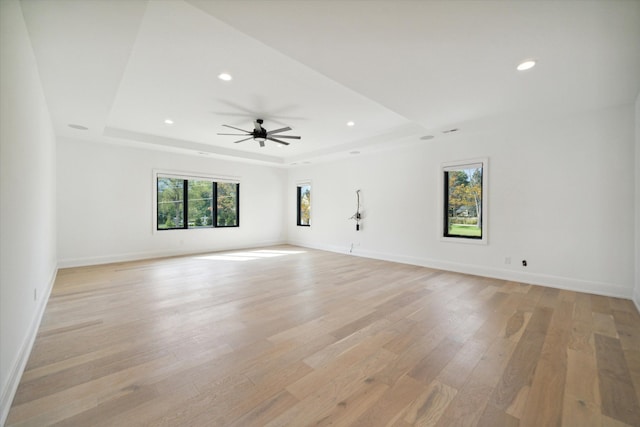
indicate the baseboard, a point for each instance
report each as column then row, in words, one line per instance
column 558, row 282
column 138, row 256
column 25, row 351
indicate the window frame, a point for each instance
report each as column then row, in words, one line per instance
column 186, row 212
column 443, row 204
column 186, row 176
column 299, row 187
column 215, row 204
column 184, row 202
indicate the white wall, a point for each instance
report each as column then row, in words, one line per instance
column 561, row 196
column 636, row 294
column 27, row 205
column 105, row 204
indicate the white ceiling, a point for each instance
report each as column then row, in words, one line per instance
column 398, row 69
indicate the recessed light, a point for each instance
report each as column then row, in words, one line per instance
column 526, row 65
column 168, row 121
column 450, row 130
column 79, row 127
column 354, row 152
column 350, row 123
column 225, row 76
column 426, row 137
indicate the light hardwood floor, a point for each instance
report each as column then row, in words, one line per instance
column 293, row 336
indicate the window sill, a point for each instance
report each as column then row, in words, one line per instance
column 464, row 241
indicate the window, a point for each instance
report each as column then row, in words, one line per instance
column 183, row 203
column 200, row 197
column 464, row 213
column 170, row 203
column 227, row 204
column 304, row 204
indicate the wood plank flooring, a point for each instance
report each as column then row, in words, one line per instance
column 288, row 336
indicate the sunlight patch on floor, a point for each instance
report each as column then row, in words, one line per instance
column 249, row 255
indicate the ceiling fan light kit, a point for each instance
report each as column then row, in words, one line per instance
column 261, row 135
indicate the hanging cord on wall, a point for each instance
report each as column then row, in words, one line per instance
column 357, row 216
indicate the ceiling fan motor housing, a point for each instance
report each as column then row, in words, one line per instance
column 260, row 133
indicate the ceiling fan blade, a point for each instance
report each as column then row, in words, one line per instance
column 246, row 139
column 277, row 140
column 279, row 130
column 287, row 136
column 242, row 130
column 235, row 134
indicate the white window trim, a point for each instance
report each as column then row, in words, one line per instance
column 181, row 175
column 454, row 165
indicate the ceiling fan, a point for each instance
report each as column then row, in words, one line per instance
column 260, row 134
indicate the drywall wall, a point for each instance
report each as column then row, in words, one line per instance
column 27, row 208
column 561, row 196
column 105, row 204
column 636, row 294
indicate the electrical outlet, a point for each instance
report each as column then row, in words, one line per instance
column 524, row 262
column 507, row 260
column 35, row 294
